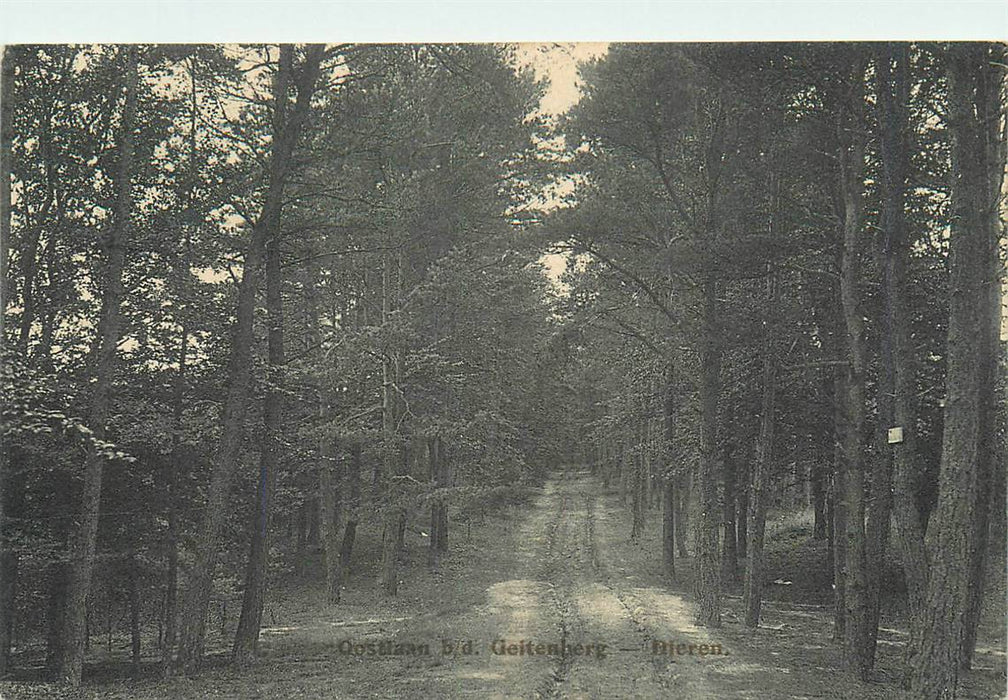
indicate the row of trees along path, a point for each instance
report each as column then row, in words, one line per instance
column 263, row 301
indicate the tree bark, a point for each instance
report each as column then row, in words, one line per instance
column 389, row 576
column 936, row 656
column 989, row 100
column 134, row 604
column 857, row 593
column 707, row 583
column 682, row 514
column 729, row 548
column 752, row 596
column 637, row 497
column 70, row 661
column 897, row 356
column 352, row 481
column 433, row 558
column 444, row 464
column 7, row 558
column 839, row 520
column 439, row 508
column 176, row 459
column 817, row 486
column 668, row 492
column 246, row 643
column 330, row 495
column 742, row 509
column 286, row 133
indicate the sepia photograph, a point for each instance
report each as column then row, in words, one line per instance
column 427, row 365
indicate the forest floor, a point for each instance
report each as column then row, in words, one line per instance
column 517, row 586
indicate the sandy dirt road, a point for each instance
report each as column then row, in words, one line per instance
column 568, row 624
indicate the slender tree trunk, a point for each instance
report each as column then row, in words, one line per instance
column 818, row 488
column 439, row 509
column 433, row 558
column 707, row 583
column 668, row 492
column 829, row 529
column 174, row 464
column 254, row 597
column 936, row 656
column 682, row 514
column 70, row 661
column 330, row 494
column 623, row 471
column 752, row 596
column 352, row 481
column 286, row 134
column 879, row 504
column 444, row 465
column 839, row 520
column 729, row 549
column 134, row 603
column 301, row 548
column 637, row 522
column 55, row 610
column 389, row 578
column 742, row 508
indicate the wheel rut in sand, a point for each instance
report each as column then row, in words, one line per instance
column 562, row 623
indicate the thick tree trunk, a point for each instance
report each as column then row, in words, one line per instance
column 858, row 644
column 8, row 559
column 990, row 85
column 6, row 144
column 898, row 364
column 286, row 134
column 707, row 583
column 936, row 656
column 70, row 661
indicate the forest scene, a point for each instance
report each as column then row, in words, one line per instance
column 640, row 370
